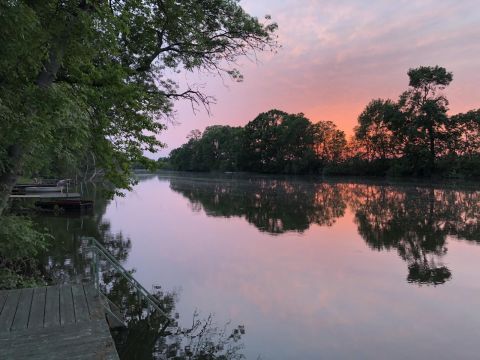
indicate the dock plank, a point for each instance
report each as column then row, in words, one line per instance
column 23, row 310
column 67, row 311
column 3, row 298
column 95, row 310
column 9, row 309
column 37, row 312
column 52, row 306
column 80, row 303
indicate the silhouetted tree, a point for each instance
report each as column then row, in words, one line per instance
column 277, row 142
column 376, row 130
column 329, row 143
column 425, row 109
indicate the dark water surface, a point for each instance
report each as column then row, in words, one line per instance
column 314, row 270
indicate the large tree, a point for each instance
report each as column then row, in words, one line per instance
column 89, row 80
column 329, row 142
column 278, row 142
column 425, row 108
column 376, row 129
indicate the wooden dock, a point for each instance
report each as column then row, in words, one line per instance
column 54, row 322
column 46, row 195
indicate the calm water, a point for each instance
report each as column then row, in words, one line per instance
column 314, row 270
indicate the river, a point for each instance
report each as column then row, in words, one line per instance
column 312, row 269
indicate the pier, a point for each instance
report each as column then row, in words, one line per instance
column 54, row 322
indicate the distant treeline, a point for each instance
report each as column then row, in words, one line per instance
column 413, row 136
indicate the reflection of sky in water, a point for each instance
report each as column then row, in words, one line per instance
column 320, row 294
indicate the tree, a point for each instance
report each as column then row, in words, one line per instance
column 464, row 131
column 92, row 79
column 194, row 134
column 329, row 143
column 375, row 129
column 221, row 147
column 295, row 144
column 278, row 142
column 425, row 109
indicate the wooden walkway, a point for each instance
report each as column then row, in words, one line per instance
column 54, row 322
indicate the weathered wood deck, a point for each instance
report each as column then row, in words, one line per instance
column 54, row 322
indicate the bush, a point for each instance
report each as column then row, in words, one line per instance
column 20, row 244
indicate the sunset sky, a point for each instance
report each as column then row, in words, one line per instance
column 338, row 55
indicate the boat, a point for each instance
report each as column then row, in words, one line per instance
column 65, row 204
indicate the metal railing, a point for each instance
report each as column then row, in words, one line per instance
column 107, row 305
column 99, row 252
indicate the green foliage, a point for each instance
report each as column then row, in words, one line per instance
column 277, row 142
column 20, row 244
column 274, row 142
column 217, row 149
column 163, row 163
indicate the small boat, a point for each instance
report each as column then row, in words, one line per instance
column 65, row 204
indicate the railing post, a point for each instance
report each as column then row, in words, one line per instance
column 95, row 269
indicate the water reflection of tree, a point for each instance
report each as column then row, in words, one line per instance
column 273, row 206
column 416, row 222
column 151, row 335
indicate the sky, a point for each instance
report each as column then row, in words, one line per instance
column 336, row 56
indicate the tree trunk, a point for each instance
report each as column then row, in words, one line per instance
column 44, row 80
column 9, row 178
column 15, row 152
column 432, row 150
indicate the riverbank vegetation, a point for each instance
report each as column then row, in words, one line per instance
column 413, row 136
column 19, row 246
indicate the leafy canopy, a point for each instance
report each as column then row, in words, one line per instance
column 90, row 85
